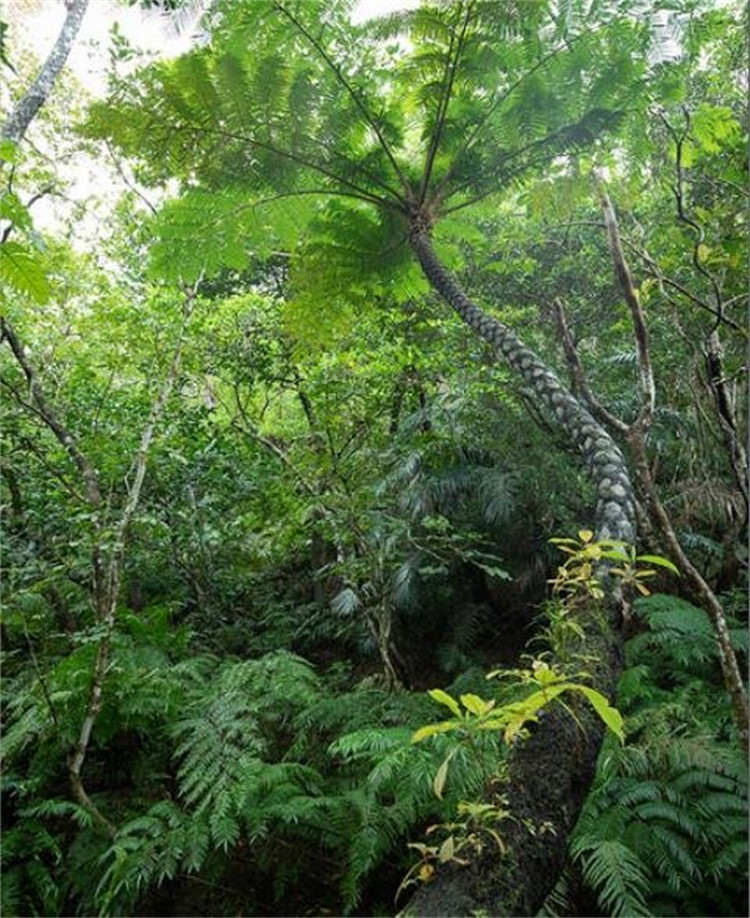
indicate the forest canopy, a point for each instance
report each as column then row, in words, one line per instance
column 374, row 479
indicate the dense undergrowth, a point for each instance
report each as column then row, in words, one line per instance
column 257, row 785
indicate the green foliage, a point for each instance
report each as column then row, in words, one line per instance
column 679, row 633
column 343, row 480
column 663, row 829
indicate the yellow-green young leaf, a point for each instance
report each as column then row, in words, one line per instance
column 544, row 675
column 585, row 535
column 440, row 778
column 527, row 709
column 447, row 850
column 475, row 704
column 434, row 729
column 495, row 723
column 661, row 562
column 9, row 152
column 615, row 555
column 516, row 725
column 611, row 716
column 444, row 698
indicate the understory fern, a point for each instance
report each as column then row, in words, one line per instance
column 664, row 828
column 256, row 777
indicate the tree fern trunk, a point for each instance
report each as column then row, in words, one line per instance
column 549, row 774
column 615, row 512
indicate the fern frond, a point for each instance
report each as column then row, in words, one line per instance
column 619, row 877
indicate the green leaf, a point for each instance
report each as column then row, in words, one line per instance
column 526, row 710
column 475, row 704
column 433, row 729
column 611, row 716
column 447, row 850
column 13, row 209
column 441, row 776
column 492, row 570
column 9, row 152
column 22, row 268
column 658, row 560
column 444, row 698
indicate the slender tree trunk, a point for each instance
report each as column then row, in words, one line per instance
column 727, row 416
column 635, row 434
column 106, row 568
column 550, row 773
column 113, row 577
column 733, row 677
column 36, row 95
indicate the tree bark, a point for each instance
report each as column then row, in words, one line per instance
column 615, row 511
column 550, row 773
column 36, row 95
column 733, row 676
column 727, row 416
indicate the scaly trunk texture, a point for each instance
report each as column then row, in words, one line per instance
column 549, row 774
column 36, row 95
column 615, row 511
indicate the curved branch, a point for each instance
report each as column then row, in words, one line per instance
column 699, row 234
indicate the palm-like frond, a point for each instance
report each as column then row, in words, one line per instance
column 288, row 99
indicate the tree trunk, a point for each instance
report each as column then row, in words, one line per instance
column 704, row 595
column 550, row 773
column 36, row 95
column 615, row 511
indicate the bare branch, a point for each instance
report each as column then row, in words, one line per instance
column 640, row 331
column 579, row 378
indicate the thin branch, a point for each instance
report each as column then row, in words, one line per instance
column 129, row 184
column 640, row 331
column 656, row 272
column 699, row 234
column 46, row 412
column 578, row 374
column 55, row 473
column 138, row 468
